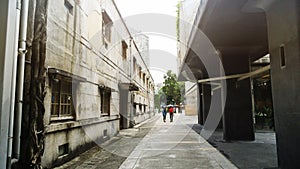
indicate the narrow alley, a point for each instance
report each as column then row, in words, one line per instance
column 95, row 84
column 154, row 144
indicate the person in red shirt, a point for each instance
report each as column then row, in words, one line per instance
column 171, row 111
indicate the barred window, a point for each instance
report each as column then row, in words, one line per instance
column 62, row 100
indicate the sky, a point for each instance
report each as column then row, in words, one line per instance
column 162, row 46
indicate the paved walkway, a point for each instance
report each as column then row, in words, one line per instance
column 158, row 145
column 257, row 154
column 175, row 145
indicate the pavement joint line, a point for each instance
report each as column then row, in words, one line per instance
column 173, row 146
column 175, row 142
column 178, row 149
column 220, row 160
column 146, row 121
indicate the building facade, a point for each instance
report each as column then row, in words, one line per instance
column 97, row 83
column 187, row 13
column 234, row 35
column 96, row 79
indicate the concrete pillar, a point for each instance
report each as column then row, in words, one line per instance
column 8, row 17
column 283, row 19
column 124, row 122
column 200, row 109
column 206, row 100
column 238, row 117
column 218, row 107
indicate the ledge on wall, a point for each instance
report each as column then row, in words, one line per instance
column 60, row 126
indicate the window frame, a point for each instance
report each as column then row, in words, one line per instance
column 106, row 28
column 282, row 55
column 59, row 115
column 134, row 65
column 124, row 50
column 105, row 98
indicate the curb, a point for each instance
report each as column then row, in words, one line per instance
column 146, row 121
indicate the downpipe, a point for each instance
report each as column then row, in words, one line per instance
column 20, row 80
column 13, row 94
column 17, row 120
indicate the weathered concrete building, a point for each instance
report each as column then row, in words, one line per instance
column 187, row 12
column 96, row 79
column 142, row 41
column 98, row 82
column 226, row 40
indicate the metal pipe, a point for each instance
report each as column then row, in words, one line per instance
column 20, row 80
column 13, row 83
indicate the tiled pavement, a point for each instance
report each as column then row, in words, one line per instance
column 154, row 145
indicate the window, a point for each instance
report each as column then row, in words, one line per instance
column 106, row 28
column 134, row 64
column 144, row 77
column 134, row 109
column 141, row 109
column 140, row 72
column 147, row 82
column 105, row 133
column 105, row 101
column 282, row 56
column 62, row 100
column 124, row 50
column 63, row 149
column 69, row 6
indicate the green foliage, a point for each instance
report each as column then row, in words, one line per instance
column 172, row 89
column 157, row 100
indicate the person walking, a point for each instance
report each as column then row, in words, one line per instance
column 171, row 111
column 164, row 113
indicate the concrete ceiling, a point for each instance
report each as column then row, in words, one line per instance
column 237, row 33
column 233, row 30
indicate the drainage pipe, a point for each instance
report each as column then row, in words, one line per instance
column 20, row 80
column 13, row 83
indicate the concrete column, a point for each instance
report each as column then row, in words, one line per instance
column 200, row 109
column 283, row 19
column 8, row 11
column 238, row 118
column 124, row 122
column 218, row 107
column 206, row 100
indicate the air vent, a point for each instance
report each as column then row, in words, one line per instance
column 105, row 133
column 63, row 150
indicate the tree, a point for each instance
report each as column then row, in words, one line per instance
column 172, row 89
column 33, row 129
column 157, row 100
